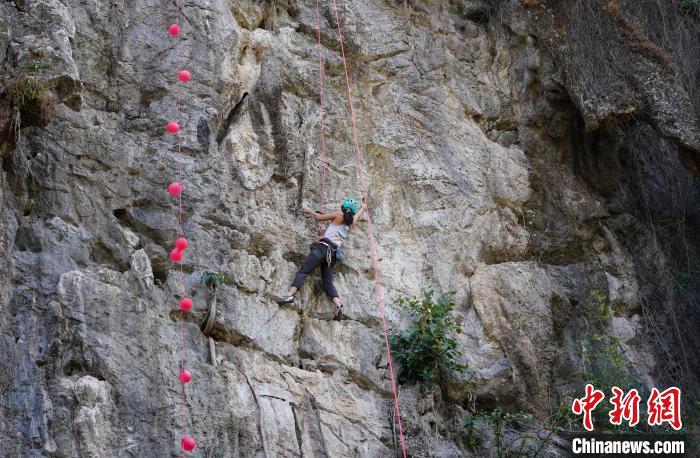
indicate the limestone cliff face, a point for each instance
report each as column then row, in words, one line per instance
column 495, row 169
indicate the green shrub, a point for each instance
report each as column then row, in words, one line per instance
column 687, row 4
column 468, row 426
column 32, row 103
column 602, row 363
column 497, row 419
column 25, row 90
column 428, row 346
column 212, row 279
column 530, row 442
column 686, row 278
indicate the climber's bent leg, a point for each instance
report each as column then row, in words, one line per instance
column 312, row 261
column 327, row 277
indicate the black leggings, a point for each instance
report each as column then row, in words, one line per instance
column 318, row 257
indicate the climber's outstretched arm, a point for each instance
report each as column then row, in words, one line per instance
column 320, row 216
column 359, row 215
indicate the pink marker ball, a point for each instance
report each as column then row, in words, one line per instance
column 181, row 244
column 186, row 304
column 176, row 255
column 175, row 188
column 183, row 75
column 185, row 376
column 188, row 443
column 174, row 29
column 172, row 127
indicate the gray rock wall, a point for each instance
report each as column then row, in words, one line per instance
column 488, row 174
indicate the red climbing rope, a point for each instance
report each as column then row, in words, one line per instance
column 360, row 170
column 187, row 442
column 324, row 166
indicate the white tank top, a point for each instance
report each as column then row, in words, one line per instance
column 336, row 234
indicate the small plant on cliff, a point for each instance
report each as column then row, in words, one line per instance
column 532, row 438
column 428, row 345
column 212, row 279
column 497, row 419
column 468, row 426
column 25, row 90
column 31, row 102
column 687, row 4
column 602, row 363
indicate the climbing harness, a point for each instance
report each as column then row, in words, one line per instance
column 360, row 171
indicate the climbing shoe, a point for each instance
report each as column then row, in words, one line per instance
column 338, row 315
column 285, row 300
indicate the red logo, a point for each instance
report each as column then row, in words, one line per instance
column 626, row 407
column 665, row 407
column 587, row 404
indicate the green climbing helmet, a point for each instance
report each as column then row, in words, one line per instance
column 352, row 204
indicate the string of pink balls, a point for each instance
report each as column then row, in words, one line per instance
column 177, row 253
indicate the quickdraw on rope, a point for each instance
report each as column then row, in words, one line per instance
column 187, row 442
column 360, row 170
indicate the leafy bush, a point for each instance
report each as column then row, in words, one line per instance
column 497, row 419
column 687, row 4
column 686, row 278
column 31, row 102
column 428, row 346
column 468, row 426
column 602, row 363
column 212, row 279
column 25, row 90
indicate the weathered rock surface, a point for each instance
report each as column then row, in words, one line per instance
column 490, row 171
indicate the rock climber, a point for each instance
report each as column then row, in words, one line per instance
column 325, row 252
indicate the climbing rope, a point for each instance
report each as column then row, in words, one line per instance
column 187, row 442
column 324, row 160
column 360, row 171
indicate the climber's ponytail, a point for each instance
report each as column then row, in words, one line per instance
column 348, row 216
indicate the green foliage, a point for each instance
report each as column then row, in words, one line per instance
column 39, row 53
column 497, row 419
column 686, row 278
column 531, row 441
column 602, row 363
column 428, row 346
column 212, row 279
column 24, row 91
column 561, row 419
column 529, row 217
column 687, row 4
column 36, row 63
column 468, row 426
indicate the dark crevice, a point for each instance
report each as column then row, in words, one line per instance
column 160, row 276
column 26, row 240
column 297, row 429
column 120, row 214
column 232, row 115
column 203, row 134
